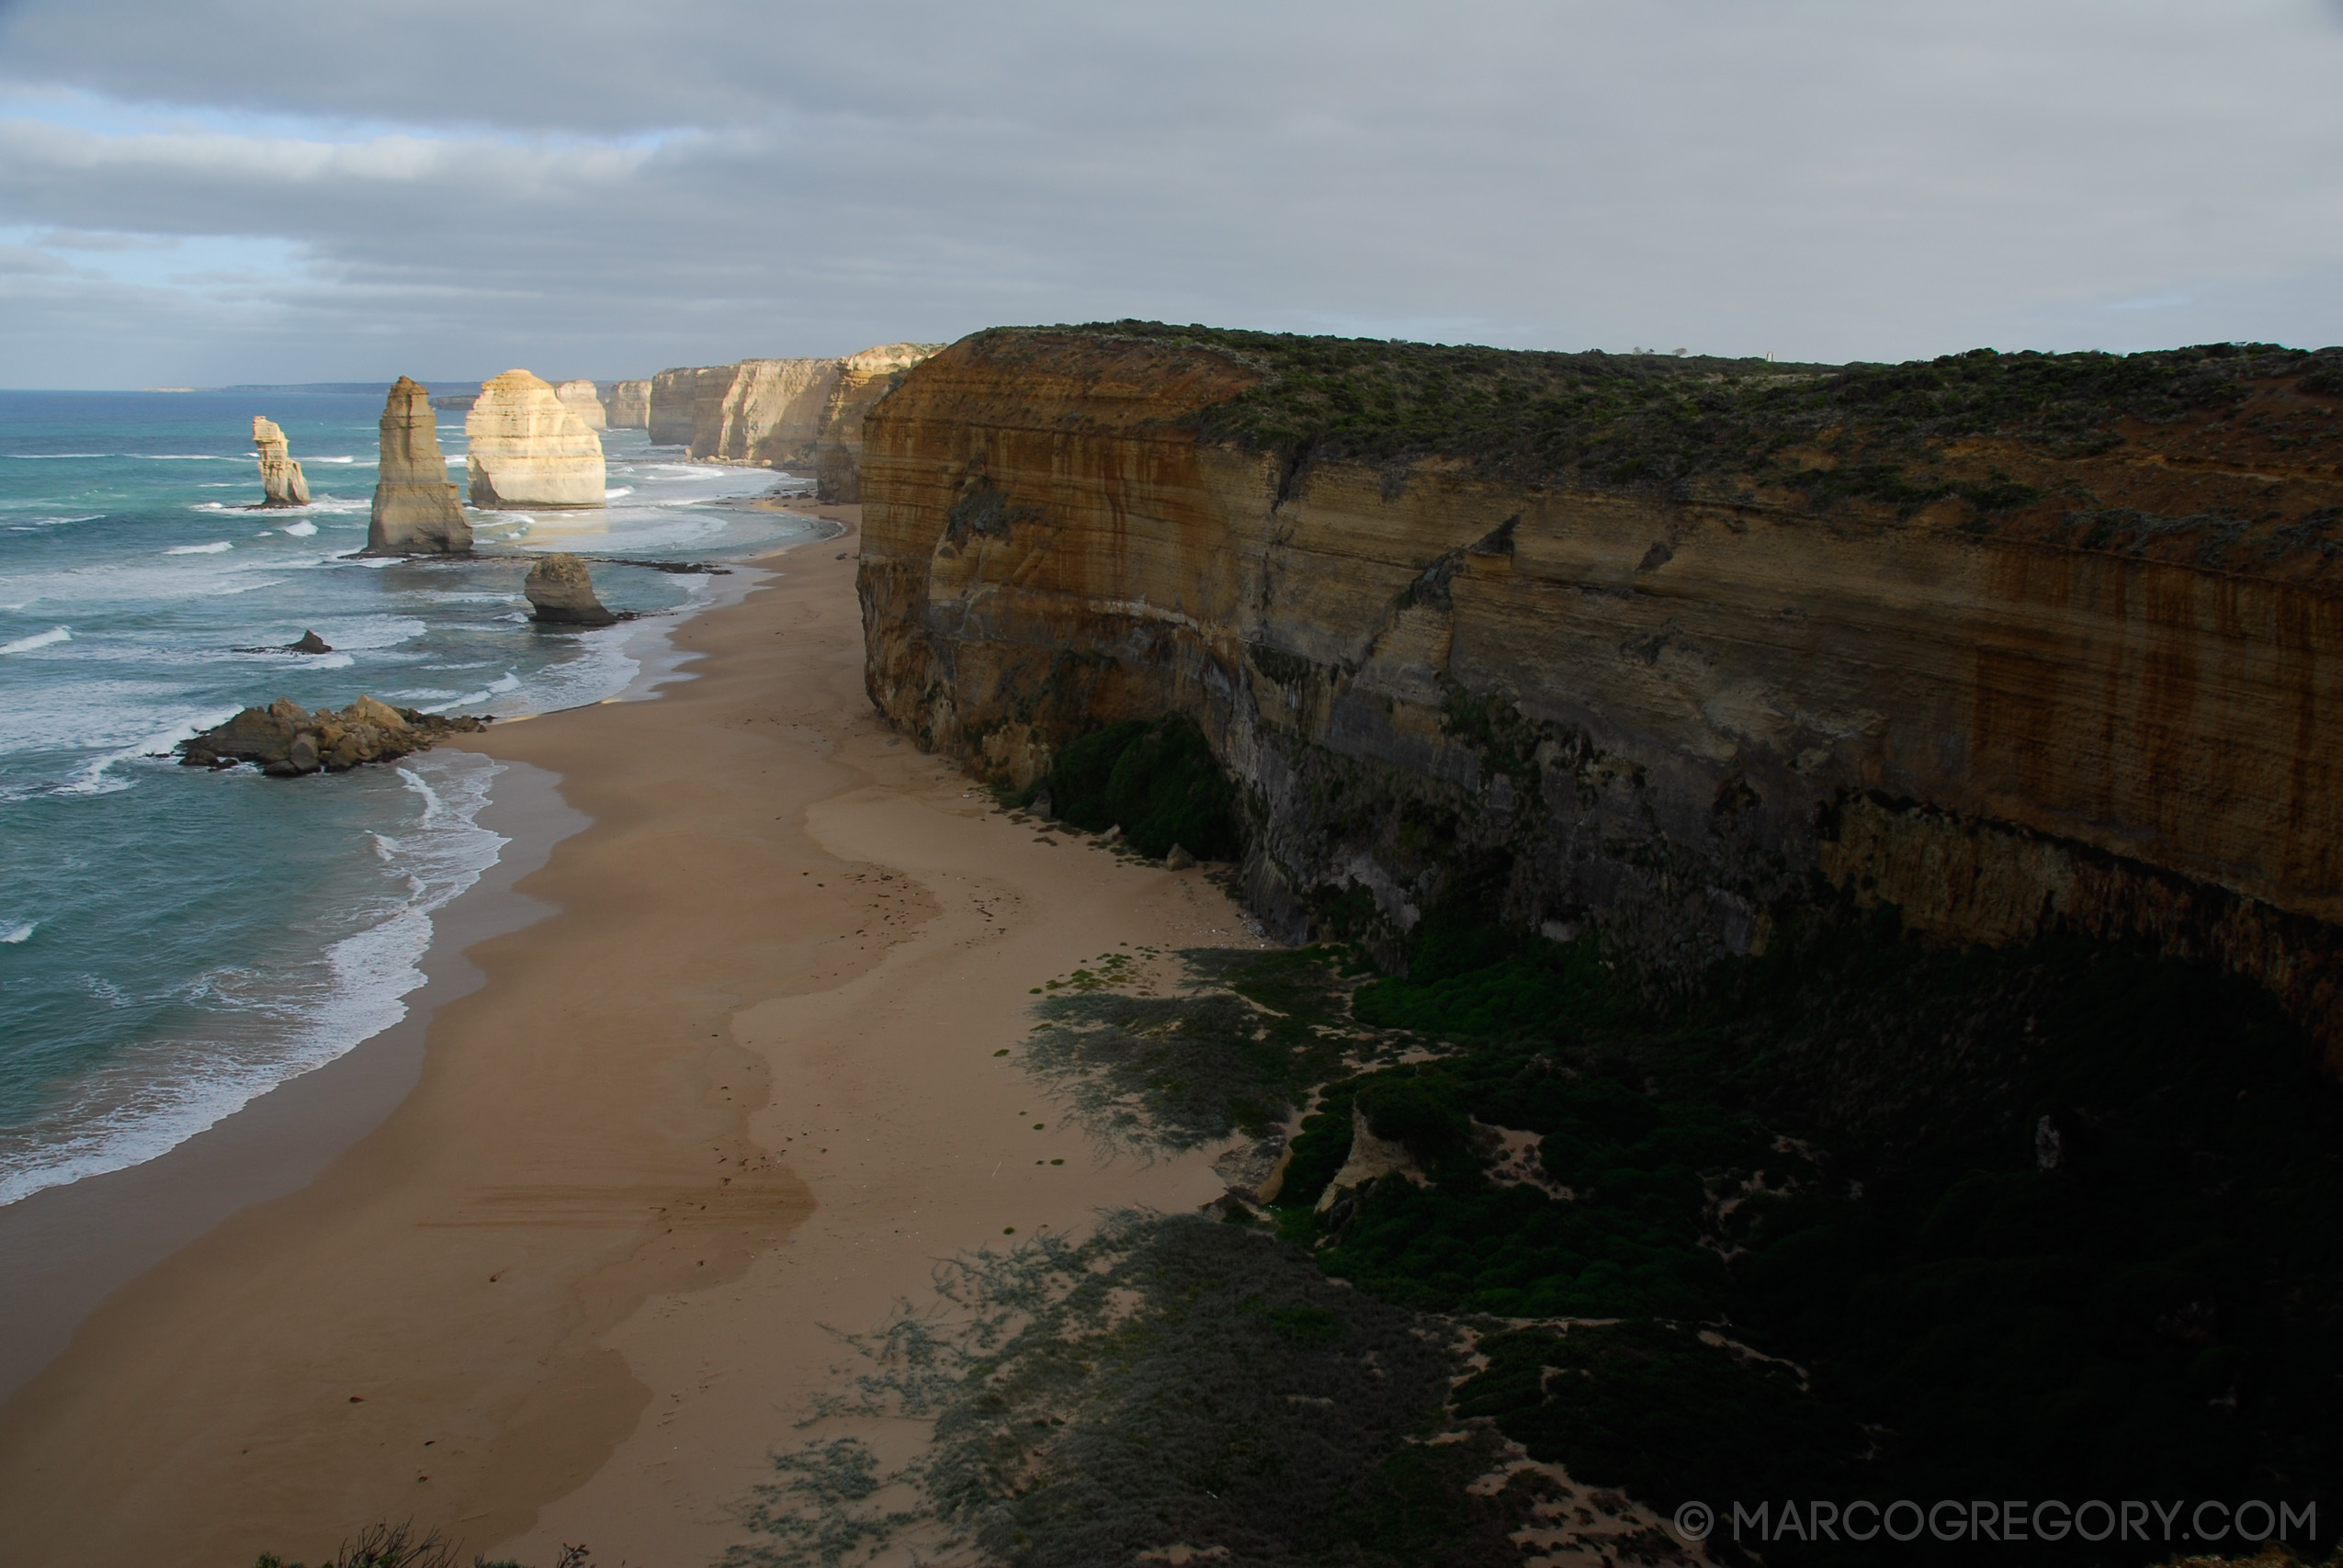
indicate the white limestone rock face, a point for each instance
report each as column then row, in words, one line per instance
column 415, row 509
column 628, row 406
column 528, row 448
column 281, row 483
column 581, row 399
column 863, row 378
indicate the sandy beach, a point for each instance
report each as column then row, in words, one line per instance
column 736, row 1089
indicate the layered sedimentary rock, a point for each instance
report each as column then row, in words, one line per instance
column 415, row 509
column 286, row 739
column 804, row 415
column 281, row 483
column 561, row 593
column 581, row 399
column 766, row 412
column 674, row 400
column 528, row 448
column 863, row 380
column 2083, row 674
column 628, row 406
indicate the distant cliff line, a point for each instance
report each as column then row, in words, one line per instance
column 803, row 414
column 2019, row 643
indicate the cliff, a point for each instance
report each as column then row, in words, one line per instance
column 528, row 448
column 415, row 509
column 281, row 483
column 2019, row 643
column 581, row 399
column 628, row 406
column 804, row 415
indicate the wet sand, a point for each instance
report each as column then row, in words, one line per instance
column 736, row 1090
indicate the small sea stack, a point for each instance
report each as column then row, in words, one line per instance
column 560, row 592
column 417, row 510
column 581, row 399
column 308, row 642
column 281, row 483
column 529, row 448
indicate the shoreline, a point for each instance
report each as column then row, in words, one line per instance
column 71, row 1245
column 574, row 1281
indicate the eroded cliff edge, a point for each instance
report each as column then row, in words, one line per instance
column 2020, row 643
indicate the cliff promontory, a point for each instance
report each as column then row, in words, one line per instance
column 415, row 509
column 628, row 406
column 773, row 413
column 529, row 448
column 2018, row 643
column 281, row 483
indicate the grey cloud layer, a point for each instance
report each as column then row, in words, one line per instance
column 605, row 188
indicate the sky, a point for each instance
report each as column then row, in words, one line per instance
column 204, row 192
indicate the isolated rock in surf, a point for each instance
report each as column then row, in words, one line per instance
column 560, row 591
column 281, row 483
column 286, row 739
column 581, row 399
column 528, row 448
column 415, row 509
column 628, row 406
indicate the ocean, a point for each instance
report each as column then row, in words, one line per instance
column 174, row 942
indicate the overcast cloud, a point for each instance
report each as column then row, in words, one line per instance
column 207, row 191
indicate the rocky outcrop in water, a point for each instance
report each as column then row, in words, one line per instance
column 628, row 406
column 2049, row 645
column 286, row 739
column 561, row 593
column 581, row 399
column 415, row 509
column 528, row 448
column 281, row 483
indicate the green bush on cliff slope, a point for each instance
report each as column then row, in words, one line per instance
column 1662, row 419
column 1158, row 782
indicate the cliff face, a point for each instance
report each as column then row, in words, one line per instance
column 804, row 415
column 528, row 448
column 629, row 407
column 281, row 483
column 2075, row 683
column 415, row 509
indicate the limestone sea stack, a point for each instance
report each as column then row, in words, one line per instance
column 281, row 483
column 581, row 399
column 528, row 448
column 628, row 406
column 560, row 592
column 415, row 509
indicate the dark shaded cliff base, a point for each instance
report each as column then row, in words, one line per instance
column 1857, row 1220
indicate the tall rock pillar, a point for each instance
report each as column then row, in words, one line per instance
column 415, row 509
column 281, row 483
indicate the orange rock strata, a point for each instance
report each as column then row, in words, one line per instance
column 2111, row 708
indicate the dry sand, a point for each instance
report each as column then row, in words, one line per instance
column 740, row 1088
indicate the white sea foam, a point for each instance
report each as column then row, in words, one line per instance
column 615, row 494
column 212, row 549
column 146, row 1100
column 300, row 530
column 16, row 934
column 99, row 777
column 37, row 639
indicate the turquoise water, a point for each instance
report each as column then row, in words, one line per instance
column 174, row 942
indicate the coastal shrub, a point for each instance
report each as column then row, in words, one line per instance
column 1158, row 782
column 398, row 1546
